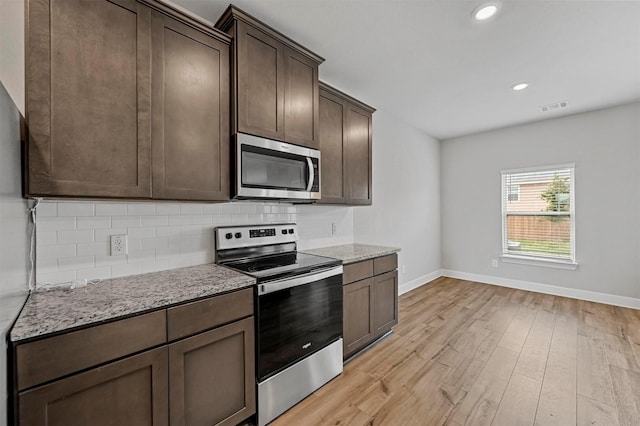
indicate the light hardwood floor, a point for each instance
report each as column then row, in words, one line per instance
column 466, row 353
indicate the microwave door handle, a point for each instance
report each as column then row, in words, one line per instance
column 310, row 174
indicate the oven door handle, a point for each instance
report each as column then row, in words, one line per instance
column 285, row 283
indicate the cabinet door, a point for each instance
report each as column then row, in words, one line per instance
column 260, row 74
column 301, row 99
column 190, row 108
column 132, row 391
column 385, row 302
column 358, row 315
column 331, row 138
column 358, row 156
column 88, row 98
column 212, row 376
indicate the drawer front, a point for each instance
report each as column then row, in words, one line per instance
column 385, row 264
column 357, row 271
column 192, row 318
column 53, row 357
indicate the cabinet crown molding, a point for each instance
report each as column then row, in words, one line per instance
column 360, row 104
column 233, row 13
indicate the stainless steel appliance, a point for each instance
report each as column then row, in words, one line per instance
column 298, row 300
column 268, row 169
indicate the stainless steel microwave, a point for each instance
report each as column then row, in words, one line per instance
column 268, row 169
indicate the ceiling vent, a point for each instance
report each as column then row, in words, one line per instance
column 554, row 106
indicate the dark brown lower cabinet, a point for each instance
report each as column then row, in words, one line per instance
column 370, row 301
column 132, row 391
column 211, row 376
column 385, row 302
column 358, row 315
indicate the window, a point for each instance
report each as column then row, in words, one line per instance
column 513, row 193
column 540, row 226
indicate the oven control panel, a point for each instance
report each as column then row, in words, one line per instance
column 229, row 237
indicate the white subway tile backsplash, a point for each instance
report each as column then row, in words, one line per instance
column 55, row 223
column 82, row 236
column 101, row 273
column 125, row 270
column 75, row 209
column 168, row 209
column 46, row 238
column 180, row 220
column 59, row 277
column 105, row 234
column 75, row 263
column 155, row 220
column 190, row 209
column 55, row 251
column 141, row 209
column 102, row 248
column 111, row 209
column 47, row 209
column 74, row 237
column 126, row 221
column 94, row 222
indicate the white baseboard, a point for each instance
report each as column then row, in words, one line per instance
column 592, row 296
column 420, row 281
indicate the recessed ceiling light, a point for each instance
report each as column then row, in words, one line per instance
column 485, row 11
column 520, row 86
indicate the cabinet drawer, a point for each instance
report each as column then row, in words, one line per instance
column 192, row 318
column 357, row 271
column 385, row 264
column 53, row 357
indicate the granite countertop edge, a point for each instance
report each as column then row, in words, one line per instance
column 351, row 253
column 62, row 310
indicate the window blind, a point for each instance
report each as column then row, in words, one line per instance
column 538, row 212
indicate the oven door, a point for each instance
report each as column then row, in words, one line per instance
column 297, row 317
column 272, row 169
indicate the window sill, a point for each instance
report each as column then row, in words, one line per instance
column 537, row 261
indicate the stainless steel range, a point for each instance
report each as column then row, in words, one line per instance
column 298, row 312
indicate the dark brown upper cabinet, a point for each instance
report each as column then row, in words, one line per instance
column 88, row 98
column 103, row 117
column 190, row 112
column 274, row 82
column 345, row 135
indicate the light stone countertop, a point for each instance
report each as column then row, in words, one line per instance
column 64, row 309
column 351, row 253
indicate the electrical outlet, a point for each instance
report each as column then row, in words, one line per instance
column 494, row 263
column 403, row 269
column 334, row 228
column 118, row 245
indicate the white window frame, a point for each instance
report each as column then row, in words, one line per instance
column 540, row 260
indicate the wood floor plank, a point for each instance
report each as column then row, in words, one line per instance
column 465, row 353
column 533, row 357
column 593, row 377
column 517, row 332
column 519, row 403
column 557, row 405
column 626, row 387
column 595, row 413
column 479, row 406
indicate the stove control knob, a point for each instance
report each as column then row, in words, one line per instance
column 228, row 235
column 284, row 232
column 238, row 234
column 291, row 231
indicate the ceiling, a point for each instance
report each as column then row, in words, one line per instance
column 429, row 64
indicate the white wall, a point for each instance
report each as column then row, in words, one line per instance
column 406, row 199
column 14, row 231
column 605, row 147
column 12, row 49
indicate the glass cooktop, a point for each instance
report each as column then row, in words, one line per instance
column 282, row 265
